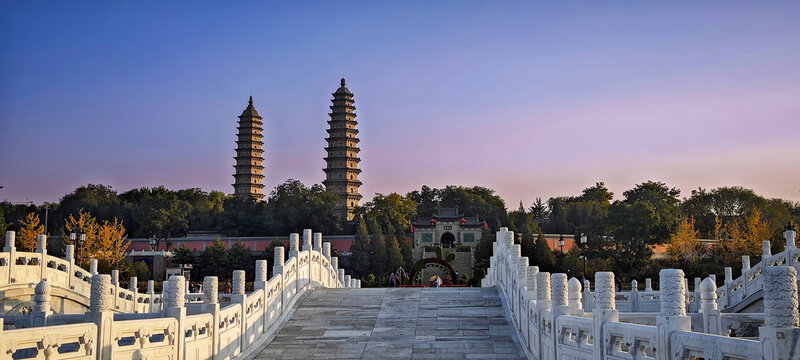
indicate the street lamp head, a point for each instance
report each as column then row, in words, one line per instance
column 583, row 238
column 561, row 242
column 72, row 236
column 83, row 237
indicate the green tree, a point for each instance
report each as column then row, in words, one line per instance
column 377, row 247
column 634, row 233
column 427, row 200
column 241, row 258
column 141, row 271
column 293, row 207
column 484, row 250
column 99, row 200
column 213, row 261
column 539, row 210
column 406, row 251
column 244, row 216
column 360, row 249
column 394, row 258
column 472, row 201
column 184, row 255
column 391, row 211
column 543, row 257
column 3, row 224
column 157, row 212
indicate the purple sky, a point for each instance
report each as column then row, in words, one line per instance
column 528, row 99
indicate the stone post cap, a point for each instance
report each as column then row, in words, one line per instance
column 780, row 297
column 574, row 285
column 41, row 244
column 559, row 288
column 261, row 270
column 210, row 290
column 604, row 290
column 673, row 296
column 10, row 240
column 176, row 289
column 238, row 282
column 277, row 256
column 294, row 241
column 306, row 239
column 101, row 298
column 326, row 249
column 543, row 286
column 317, row 241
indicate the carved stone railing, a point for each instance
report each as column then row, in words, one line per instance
column 20, row 271
column 550, row 320
column 218, row 326
column 735, row 295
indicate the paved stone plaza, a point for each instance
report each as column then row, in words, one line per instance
column 396, row 323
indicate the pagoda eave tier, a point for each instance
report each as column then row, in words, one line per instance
column 337, row 114
column 249, row 158
column 249, row 142
column 340, row 106
column 342, row 158
column 345, row 170
column 248, row 185
column 336, row 130
column 249, row 124
column 250, row 116
column 247, row 175
column 343, row 181
column 350, row 148
column 334, row 138
column 257, row 168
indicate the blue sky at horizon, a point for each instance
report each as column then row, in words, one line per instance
column 530, row 99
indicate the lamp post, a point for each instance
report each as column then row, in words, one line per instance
column 79, row 243
column 583, row 243
column 561, row 244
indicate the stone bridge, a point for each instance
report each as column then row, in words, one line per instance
column 311, row 309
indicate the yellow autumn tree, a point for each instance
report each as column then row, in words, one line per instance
column 683, row 245
column 30, row 228
column 112, row 243
column 743, row 236
column 85, row 224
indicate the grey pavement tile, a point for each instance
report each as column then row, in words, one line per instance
column 398, row 323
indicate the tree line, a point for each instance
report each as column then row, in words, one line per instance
column 622, row 234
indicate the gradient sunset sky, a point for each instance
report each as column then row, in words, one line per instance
column 530, row 99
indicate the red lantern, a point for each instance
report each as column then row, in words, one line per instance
column 433, row 221
column 463, row 221
column 484, row 224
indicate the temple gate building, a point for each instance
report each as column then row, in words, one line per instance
column 249, row 182
column 447, row 229
column 341, row 171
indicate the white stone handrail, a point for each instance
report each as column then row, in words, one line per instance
column 181, row 329
column 733, row 296
column 550, row 320
column 21, row 270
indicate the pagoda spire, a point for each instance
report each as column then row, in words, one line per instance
column 342, row 171
column 249, row 181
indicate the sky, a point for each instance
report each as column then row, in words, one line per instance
column 531, row 99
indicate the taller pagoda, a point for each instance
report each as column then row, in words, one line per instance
column 341, row 172
column 249, row 181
